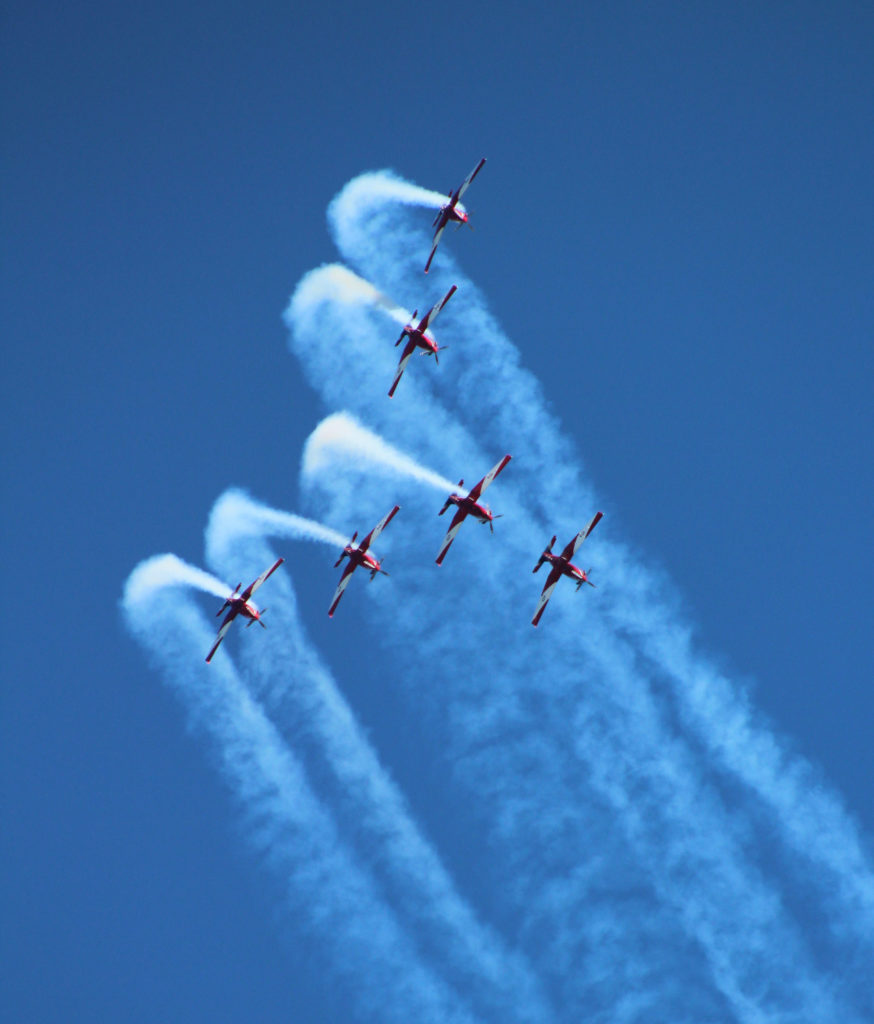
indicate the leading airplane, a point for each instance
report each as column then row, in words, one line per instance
column 469, row 505
column 453, row 210
column 561, row 566
column 241, row 604
column 359, row 556
column 419, row 339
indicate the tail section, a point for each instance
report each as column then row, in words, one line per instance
column 406, row 330
column 227, row 603
column 345, row 550
column 543, row 558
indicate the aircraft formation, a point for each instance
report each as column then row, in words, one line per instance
column 466, row 505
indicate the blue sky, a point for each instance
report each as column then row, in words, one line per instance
column 673, row 228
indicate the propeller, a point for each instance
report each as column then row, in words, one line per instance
column 585, row 580
column 498, row 515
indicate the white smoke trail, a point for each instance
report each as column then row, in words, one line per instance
column 705, row 856
column 498, row 399
column 236, row 515
column 378, row 188
column 168, row 571
column 326, row 887
column 677, row 815
column 370, row 812
column 340, row 438
column 365, row 211
column 339, row 284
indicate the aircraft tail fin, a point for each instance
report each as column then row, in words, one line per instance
column 542, row 559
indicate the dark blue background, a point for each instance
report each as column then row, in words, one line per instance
column 674, row 226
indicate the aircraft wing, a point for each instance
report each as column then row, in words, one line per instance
column 462, row 188
column 343, row 584
column 572, row 547
column 377, row 530
column 477, row 489
column 437, row 235
column 250, row 590
column 546, row 594
column 409, row 349
column 454, row 527
column 431, row 315
column 225, row 626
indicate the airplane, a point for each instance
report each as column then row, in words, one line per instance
column 359, row 556
column 561, row 566
column 419, row 339
column 452, row 210
column 469, row 505
column 241, row 604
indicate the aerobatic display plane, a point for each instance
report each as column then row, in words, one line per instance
column 453, row 210
column 561, row 566
column 469, row 505
column 359, row 556
column 419, row 339
column 241, row 604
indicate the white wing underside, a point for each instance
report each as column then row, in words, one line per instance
column 544, row 600
column 377, row 530
column 343, row 584
column 581, row 536
column 222, row 633
column 437, row 236
column 448, row 539
column 477, row 492
column 402, row 365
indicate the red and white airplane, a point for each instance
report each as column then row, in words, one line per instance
column 419, row 339
column 241, row 604
column 453, row 210
column 359, row 556
column 561, row 566
column 469, row 505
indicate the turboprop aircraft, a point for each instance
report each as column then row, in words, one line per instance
column 469, row 505
column 241, row 604
column 359, row 556
column 452, row 211
column 561, row 566
column 419, row 339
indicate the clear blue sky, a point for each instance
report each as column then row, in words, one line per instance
column 674, row 227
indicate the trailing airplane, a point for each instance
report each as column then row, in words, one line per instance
column 419, row 339
column 453, row 210
column 561, row 566
column 359, row 556
column 241, row 604
column 469, row 505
